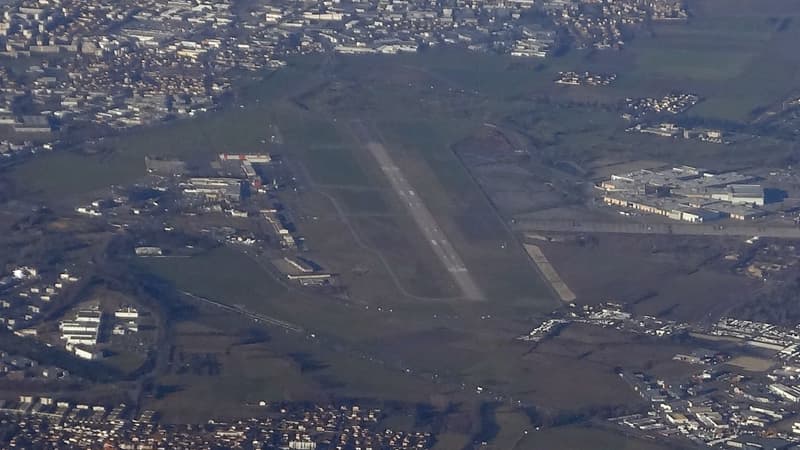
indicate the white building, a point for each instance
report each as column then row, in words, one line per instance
column 789, row 393
column 84, row 330
column 746, row 194
column 84, row 352
column 22, row 273
column 128, row 312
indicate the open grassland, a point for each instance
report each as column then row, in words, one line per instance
column 468, row 348
column 227, row 276
column 670, row 271
column 511, row 430
column 580, row 438
column 363, row 202
column 410, row 258
column 338, row 245
column 334, row 166
column 739, row 56
column 222, row 275
column 225, row 361
column 475, row 75
column 708, row 48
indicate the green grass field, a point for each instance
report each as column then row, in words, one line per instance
column 708, row 48
column 737, row 56
column 579, row 438
column 367, row 201
column 466, row 349
column 334, row 165
column 222, row 275
column 410, row 257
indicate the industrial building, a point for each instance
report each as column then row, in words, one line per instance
column 33, row 124
column 84, row 352
column 666, row 207
column 253, row 158
column 245, row 162
column 686, row 193
column 311, row 279
column 148, row 251
column 127, row 318
column 299, row 265
column 303, row 271
column 745, row 194
column 685, row 179
column 214, row 189
column 789, row 393
column 271, row 217
column 81, row 334
column 167, row 167
column 128, row 312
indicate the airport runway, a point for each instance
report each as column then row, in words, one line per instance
column 444, row 250
column 678, row 228
column 549, row 272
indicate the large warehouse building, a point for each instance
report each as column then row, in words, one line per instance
column 746, row 194
column 686, row 193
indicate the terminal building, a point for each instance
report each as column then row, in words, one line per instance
column 686, row 193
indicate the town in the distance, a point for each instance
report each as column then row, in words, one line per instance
column 399, row 224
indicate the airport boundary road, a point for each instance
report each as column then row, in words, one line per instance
column 577, row 226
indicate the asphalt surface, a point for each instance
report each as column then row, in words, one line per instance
column 250, row 315
column 441, row 246
column 678, row 228
column 549, row 272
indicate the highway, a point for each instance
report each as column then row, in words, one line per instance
column 441, row 246
column 677, row 228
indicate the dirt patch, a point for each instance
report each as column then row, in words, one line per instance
column 751, row 363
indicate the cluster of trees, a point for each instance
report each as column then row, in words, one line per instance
column 779, row 305
column 571, row 417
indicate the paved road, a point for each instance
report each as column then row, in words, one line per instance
column 677, row 228
column 444, row 250
column 549, row 272
column 250, row 315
